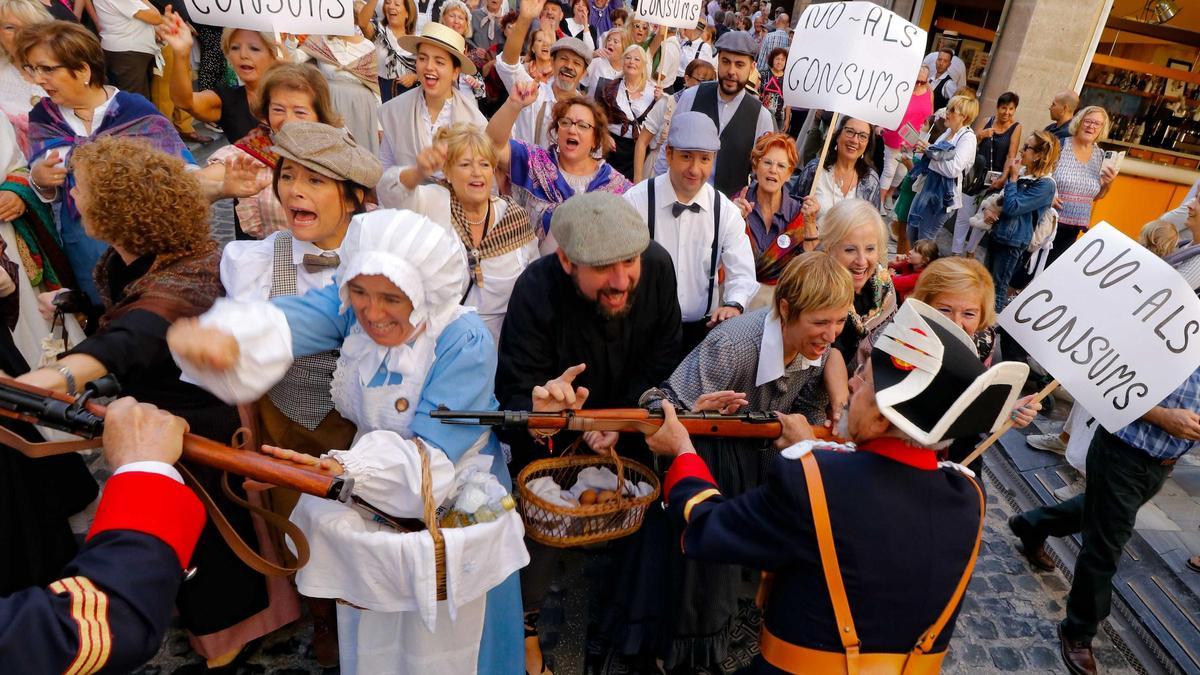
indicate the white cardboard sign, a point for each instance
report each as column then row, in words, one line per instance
column 298, row 17
column 671, row 13
column 1117, row 326
column 855, row 58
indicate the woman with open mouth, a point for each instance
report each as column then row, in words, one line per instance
column 607, row 63
column 495, row 230
column 853, row 233
column 543, row 178
column 397, row 65
column 250, row 53
column 406, row 346
column 848, row 172
column 628, row 102
column 290, row 92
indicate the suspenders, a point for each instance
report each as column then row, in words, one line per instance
column 712, row 262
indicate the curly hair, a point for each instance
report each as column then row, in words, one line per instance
column 767, row 142
column 139, row 199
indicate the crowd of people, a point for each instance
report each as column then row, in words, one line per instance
column 537, row 206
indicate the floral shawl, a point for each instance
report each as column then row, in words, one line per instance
column 176, row 286
column 38, row 242
column 883, row 302
column 540, row 187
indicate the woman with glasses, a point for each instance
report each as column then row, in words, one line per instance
column 1081, row 176
column 65, row 59
column 848, row 172
column 920, row 107
column 544, row 178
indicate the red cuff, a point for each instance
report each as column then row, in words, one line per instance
column 690, row 465
column 154, row 504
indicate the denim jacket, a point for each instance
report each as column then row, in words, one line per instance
column 1025, row 201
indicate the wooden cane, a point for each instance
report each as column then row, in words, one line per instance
column 991, row 440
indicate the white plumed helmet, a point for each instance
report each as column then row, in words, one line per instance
column 425, row 260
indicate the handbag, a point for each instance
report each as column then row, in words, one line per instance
column 53, row 346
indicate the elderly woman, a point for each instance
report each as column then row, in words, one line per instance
column 289, row 92
column 456, row 15
column 943, row 164
column 406, row 347
column 66, row 59
column 543, row 178
column 853, row 234
column 18, row 93
column 161, row 265
column 578, row 25
column 962, row 290
column 250, row 53
column 848, row 172
column 778, row 231
column 350, row 64
column 627, row 103
column 1081, row 176
column 1024, row 203
column 411, row 119
column 397, row 65
column 495, row 230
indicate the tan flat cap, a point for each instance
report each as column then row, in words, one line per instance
column 328, row 151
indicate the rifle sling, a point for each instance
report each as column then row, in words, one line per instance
column 239, row 547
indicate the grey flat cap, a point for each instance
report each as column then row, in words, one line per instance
column 328, row 151
column 693, row 130
column 599, row 228
column 573, row 44
column 737, row 42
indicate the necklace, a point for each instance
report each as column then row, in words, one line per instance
column 844, row 183
column 481, row 221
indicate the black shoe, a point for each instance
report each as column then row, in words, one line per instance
column 1033, row 547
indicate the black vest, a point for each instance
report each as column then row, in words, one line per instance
column 940, row 99
column 732, row 169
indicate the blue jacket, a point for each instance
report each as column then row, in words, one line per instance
column 937, row 197
column 1025, row 201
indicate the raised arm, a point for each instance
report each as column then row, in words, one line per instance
column 362, row 19
column 203, row 105
column 530, row 9
column 499, row 129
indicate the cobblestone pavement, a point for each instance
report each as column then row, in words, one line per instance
column 1007, row 623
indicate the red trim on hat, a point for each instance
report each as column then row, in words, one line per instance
column 153, row 504
column 688, row 465
column 900, row 451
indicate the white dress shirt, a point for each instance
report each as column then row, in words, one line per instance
column 527, row 127
column 671, row 61
column 957, row 69
column 725, row 111
column 770, row 353
column 690, row 50
column 688, row 239
column 246, row 268
column 150, row 466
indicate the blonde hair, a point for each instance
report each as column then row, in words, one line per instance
column 646, row 65
column 966, row 105
column 28, row 12
column 463, row 137
column 462, row 7
column 958, row 275
column 813, row 281
column 1047, row 147
column 1159, row 237
column 273, row 47
column 1077, row 120
column 847, row 216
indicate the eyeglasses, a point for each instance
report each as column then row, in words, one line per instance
column 565, row 123
column 860, row 135
column 1092, row 124
column 44, row 71
column 1030, row 147
column 772, row 164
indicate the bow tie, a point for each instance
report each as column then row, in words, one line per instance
column 677, row 208
column 321, row 261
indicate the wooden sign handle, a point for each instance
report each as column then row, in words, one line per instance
column 991, row 440
column 824, row 151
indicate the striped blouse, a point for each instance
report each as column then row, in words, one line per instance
column 1078, row 185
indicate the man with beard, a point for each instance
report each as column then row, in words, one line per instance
column 741, row 119
column 700, row 227
column 600, row 314
column 570, row 59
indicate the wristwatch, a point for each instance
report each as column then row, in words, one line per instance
column 735, row 305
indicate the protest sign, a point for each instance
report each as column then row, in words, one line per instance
column 670, row 13
column 855, row 58
column 299, row 17
column 1117, row 326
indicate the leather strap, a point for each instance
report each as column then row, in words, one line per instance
column 44, row 448
column 829, row 562
column 796, row 659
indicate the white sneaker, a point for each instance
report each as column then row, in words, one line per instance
column 1047, row 443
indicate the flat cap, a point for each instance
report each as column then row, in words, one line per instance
column 573, row 44
column 328, row 151
column 693, row 130
column 599, row 228
column 737, row 42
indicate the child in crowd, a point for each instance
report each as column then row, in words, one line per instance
column 906, row 269
column 1159, row 237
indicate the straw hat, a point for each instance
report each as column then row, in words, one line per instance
column 442, row 37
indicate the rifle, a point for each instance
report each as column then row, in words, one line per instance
column 762, row 425
column 82, row 417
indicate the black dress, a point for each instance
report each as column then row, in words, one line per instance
column 236, row 119
column 133, row 347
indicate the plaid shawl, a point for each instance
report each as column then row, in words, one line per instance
column 176, row 286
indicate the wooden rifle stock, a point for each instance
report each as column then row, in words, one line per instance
column 82, row 417
column 627, row 420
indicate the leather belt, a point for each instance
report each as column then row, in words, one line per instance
column 796, row 659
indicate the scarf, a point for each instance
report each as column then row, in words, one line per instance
column 490, row 21
column 127, row 115
column 883, row 302
column 38, row 243
column 364, row 68
column 258, row 145
column 543, row 171
column 176, row 285
column 395, row 63
column 510, row 233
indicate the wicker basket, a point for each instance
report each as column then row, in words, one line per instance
column 564, row 527
column 431, row 521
